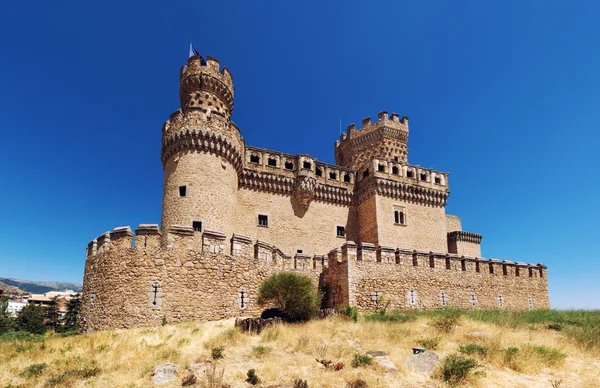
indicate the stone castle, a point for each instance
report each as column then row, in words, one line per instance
column 372, row 225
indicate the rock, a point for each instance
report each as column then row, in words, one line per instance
column 386, row 364
column 377, row 354
column 424, row 363
column 164, row 373
column 479, row 334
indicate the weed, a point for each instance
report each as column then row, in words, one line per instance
column 473, row 349
column 299, row 383
column 357, row 383
column 271, row 334
column 322, row 349
column 71, row 374
column 252, row 378
column 214, row 377
column 189, row 379
column 455, row 368
column 547, row 355
column 302, row 342
column 445, row 323
column 261, row 351
column 429, row 342
column 511, row 358
column 217, row 353
column 33, row 370
column 361, row 359
column 555, row 326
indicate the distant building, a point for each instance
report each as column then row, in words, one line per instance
column 60, row 298
column 14, row 307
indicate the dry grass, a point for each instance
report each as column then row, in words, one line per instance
column 125, row 358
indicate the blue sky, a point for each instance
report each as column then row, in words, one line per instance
column 503, row 95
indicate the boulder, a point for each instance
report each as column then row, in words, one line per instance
column 424, row 363
column 386, row 364
column 164, row 373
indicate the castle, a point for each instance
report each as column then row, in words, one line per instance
column 371, row 225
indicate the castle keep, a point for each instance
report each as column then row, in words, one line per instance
column 371, row 225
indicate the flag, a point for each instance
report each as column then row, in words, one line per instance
column 193, row 51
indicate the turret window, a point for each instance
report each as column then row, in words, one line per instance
column 381, row 168
column 423, row 177
column 340, row 231
column 263, row 220
column 409, row 174
column 395, row 170
column 272, row 162
column 347, row 178
column 197, row 226
column 182, row 191
column 332, row 175
column 254, row 159
column 438, row 181
column 400, row 216
column 319, row 172
column 289, row 165
column 307, row 165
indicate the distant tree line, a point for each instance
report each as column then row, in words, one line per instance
column 37, row 320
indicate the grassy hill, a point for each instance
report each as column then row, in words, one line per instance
column 529, row 349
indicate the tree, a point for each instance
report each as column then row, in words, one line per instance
column 5, row 320
column 31, row 319
column 73, row 311
column 293, row 294
column 52, row 314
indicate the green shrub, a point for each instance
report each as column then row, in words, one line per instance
column 31, row 319
column 361, row 359
column 260, row 351
column 217, row 353
column 511, row 358
column 349, row 311
column 252, row 378
column 445, row 323
column 293, row 294
column 549, row 356
column 473, row 349
column 456, row 368
column 429, row 343
column 33, row 370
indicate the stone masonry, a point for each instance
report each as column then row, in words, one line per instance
column 371, row 229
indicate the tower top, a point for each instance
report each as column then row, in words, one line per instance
column 204, row 79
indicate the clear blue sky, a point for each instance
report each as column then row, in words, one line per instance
column 503, row 95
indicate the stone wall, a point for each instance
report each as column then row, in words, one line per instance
column 429, row 281
column 184, row 275
column 312, row 232
column 424, row 228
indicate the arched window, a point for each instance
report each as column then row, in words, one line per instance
column 254, row 159
column 395, row 170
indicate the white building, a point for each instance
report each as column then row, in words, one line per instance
column 15, row 307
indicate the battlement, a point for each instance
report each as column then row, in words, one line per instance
column 206, row 88
column 287, row 165
column 383, row 121
column 386, row 138
column 405, row 173
column 405, row 259
column 148, row 236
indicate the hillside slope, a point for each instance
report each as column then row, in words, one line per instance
column 533, row 356
column 41, row 287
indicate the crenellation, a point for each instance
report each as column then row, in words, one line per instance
column 232, row 213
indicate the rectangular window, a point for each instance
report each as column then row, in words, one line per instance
column 182, row 191
column 298, row 250
column 197, row 225
column 263, row 220
column 341, row 231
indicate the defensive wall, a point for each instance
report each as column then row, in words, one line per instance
column 149, row 278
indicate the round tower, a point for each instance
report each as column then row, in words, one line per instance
column 202, row 151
